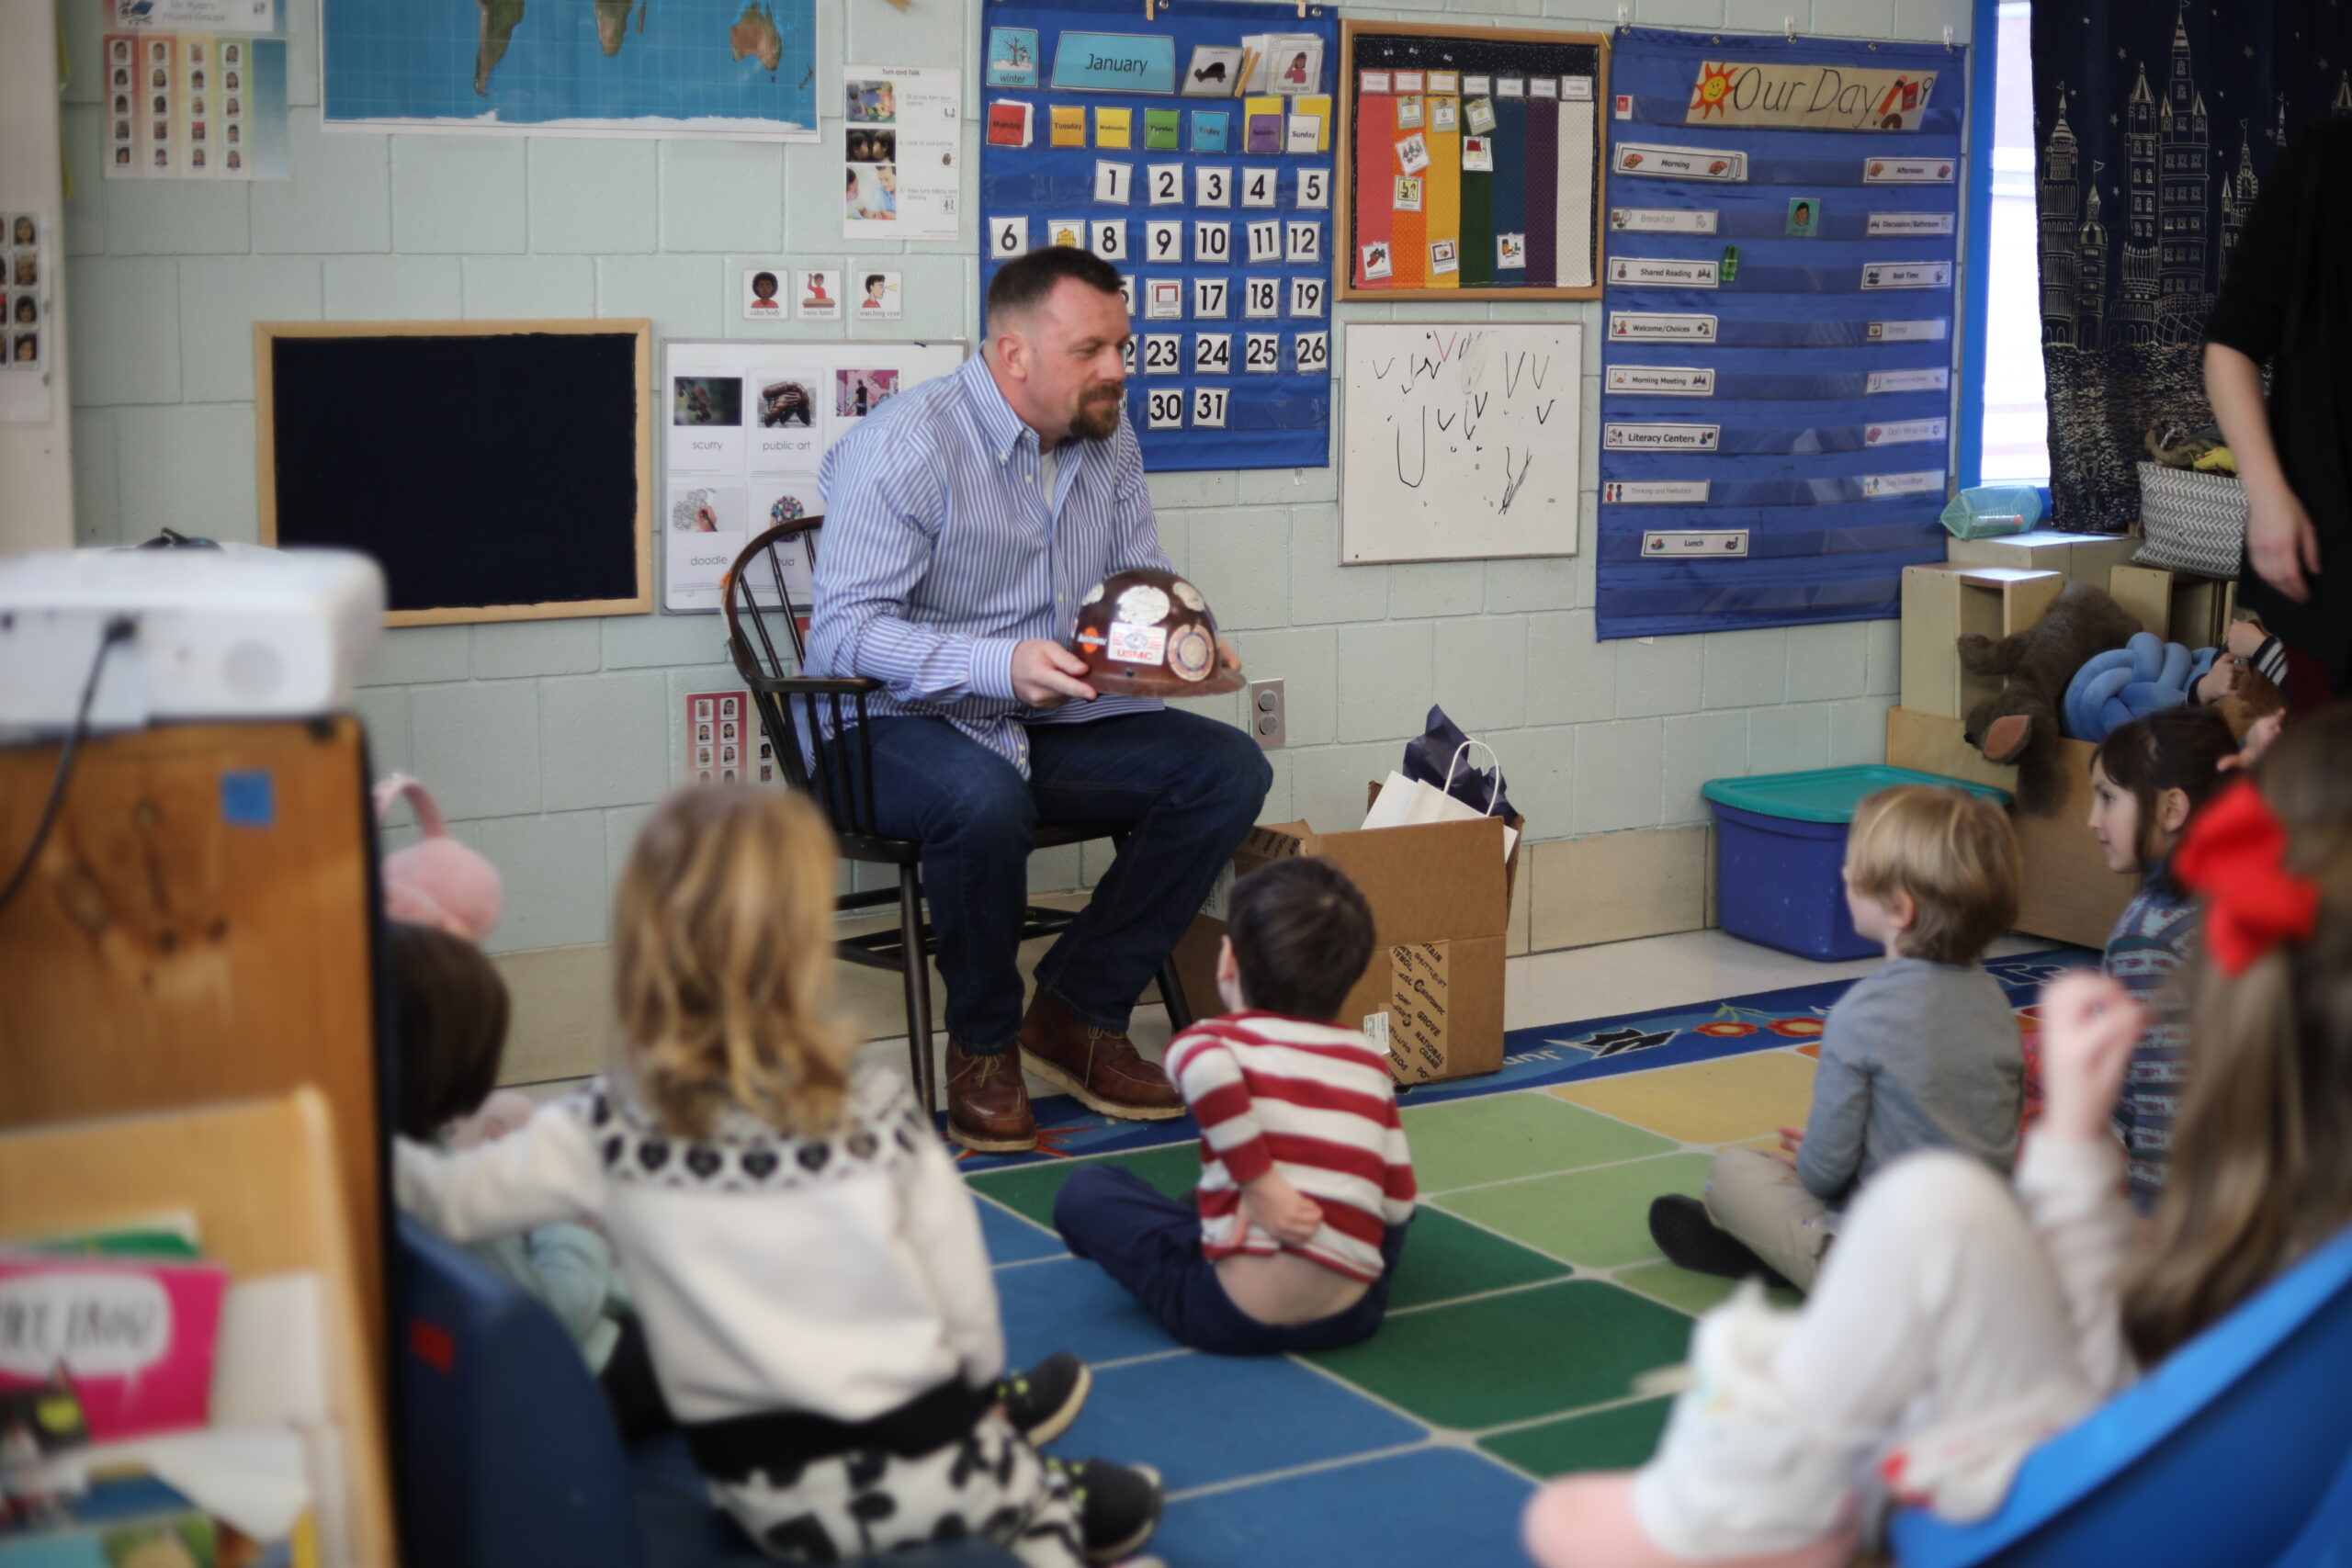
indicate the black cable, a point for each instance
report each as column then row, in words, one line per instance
column 121, row 628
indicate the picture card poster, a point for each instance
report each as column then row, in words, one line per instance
column 1779, row 286
column 744, row 426
column 192, row 106
column 902, row 152
column 27, row 340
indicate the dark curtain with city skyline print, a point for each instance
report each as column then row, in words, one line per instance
column 2155, row 127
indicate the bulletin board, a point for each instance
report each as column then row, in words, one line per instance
column 1465, row 441
column 745, row 424
column 496, row 470
column 1783, row 256
column 1471, row 165
column 1214, row 205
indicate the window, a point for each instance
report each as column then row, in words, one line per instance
column 2016, row 447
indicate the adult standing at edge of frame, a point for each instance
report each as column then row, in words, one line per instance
column 968, row 518
column 2288, row 300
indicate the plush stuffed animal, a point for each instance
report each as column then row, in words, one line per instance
column 437, row 881
column 2021, row 724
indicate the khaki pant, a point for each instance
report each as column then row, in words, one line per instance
column 1760, row 1201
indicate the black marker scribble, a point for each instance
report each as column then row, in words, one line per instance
column 1542, row 365
column 1511, row 372
column 1445, row 424
column 1544, row 414
column 1380, row 372
column 1415, row 482
column 1512, row 491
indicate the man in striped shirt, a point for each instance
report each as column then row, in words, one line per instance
column 967, row 520
column 1306, row 1185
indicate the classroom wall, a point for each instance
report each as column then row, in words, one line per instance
column 547, row 740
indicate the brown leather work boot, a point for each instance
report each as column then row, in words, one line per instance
column 988, row 1108
column 1101, row 1070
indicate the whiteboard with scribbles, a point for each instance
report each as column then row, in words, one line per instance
column 1464, row 441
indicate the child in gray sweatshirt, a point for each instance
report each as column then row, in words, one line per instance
column 1925, row 1054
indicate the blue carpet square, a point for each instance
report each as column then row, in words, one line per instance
column 1199, row 1419
column 1431, row 1507
column 1011, row 1238
column 1068, row 1303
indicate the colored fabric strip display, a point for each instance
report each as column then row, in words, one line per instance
column 1375, row 192
column 1441, row 197
column 1409, row 226
column 1478, row 227
column 1543, row 188
column 1510, row 193
column 1573, row 214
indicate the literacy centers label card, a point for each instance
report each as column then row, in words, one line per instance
column 902, row 151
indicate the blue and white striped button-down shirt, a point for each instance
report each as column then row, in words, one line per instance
column 940, row 550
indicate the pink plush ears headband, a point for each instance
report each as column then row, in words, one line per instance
column 437, row 881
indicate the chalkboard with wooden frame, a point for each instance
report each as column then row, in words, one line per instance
column 497, row 471
column 1541, row 61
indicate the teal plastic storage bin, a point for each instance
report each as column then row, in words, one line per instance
column 1781, row 853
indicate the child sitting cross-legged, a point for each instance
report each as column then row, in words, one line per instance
column 1925, row 1054
column 1306, row 1184
column 1965, row 1320
column 817, row 1303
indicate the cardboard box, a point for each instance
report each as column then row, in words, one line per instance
column 1440, row 908
column 2193, row 610
column 1944, row 602
column 2078, row 558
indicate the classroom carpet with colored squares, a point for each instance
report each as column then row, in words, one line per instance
column 1530, row 1297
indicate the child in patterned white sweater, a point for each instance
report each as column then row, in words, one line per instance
column 1307, row 1185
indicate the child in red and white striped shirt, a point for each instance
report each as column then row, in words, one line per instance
column 1306, row 1185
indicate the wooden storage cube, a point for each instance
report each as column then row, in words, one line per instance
column 1944, row 602
column 2176, row 606
column 2078, row 558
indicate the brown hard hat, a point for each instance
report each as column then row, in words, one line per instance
column 1148, row 633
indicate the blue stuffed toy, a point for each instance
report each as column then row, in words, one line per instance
column 2132, row 681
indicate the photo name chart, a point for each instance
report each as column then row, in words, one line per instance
column 1464, row 441
column 1195, row 152
column 743, row 425
column 1779, row 327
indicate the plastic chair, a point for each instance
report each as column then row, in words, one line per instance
column 508, row 1455
column 821, row 745
column 2236, row 1453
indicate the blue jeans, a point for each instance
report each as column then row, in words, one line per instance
column 1188, row 787
column 1151, row 1245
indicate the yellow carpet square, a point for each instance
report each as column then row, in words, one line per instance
column 1721, row 1101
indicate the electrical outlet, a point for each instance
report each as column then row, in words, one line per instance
column 1268, row 720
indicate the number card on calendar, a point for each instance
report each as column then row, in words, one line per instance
column 1214, row 203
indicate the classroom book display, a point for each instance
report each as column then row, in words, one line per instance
column 1192, row 152
column 1470, row 162
column 1782, row 251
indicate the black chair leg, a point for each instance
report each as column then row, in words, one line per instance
column 914, row 969
column 1171, row 992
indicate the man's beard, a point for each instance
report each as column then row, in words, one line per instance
column 1097, row 418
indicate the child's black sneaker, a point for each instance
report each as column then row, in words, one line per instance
column 1119, row 1504
column 1042, row 1402
column 1690, row 1240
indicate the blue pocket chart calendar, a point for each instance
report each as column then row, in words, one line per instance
column 1778, row 327
column 1200, row 166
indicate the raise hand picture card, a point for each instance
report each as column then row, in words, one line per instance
column 132, row 1342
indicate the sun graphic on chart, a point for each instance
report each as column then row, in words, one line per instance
column 1715, row 86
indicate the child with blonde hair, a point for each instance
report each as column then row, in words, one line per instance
column 805, row 1262
column 1964, row 1323
column 1925, row 1054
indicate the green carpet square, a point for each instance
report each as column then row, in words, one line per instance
column 1481, row 1363
column 1692, row 1293
column 1446, row 1258
column 1498, row 1137
column 1596, row 1218
column 1029, row 1189
column 1605, row 1440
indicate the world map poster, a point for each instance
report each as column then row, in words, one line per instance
column 730, row 69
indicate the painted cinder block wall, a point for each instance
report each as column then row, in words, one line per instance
column 545, row 741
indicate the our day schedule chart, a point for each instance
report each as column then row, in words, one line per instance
column 1781, row 264
column 1194, row 152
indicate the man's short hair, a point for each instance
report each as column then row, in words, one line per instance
column 1302, row 935
column 1024, row 283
